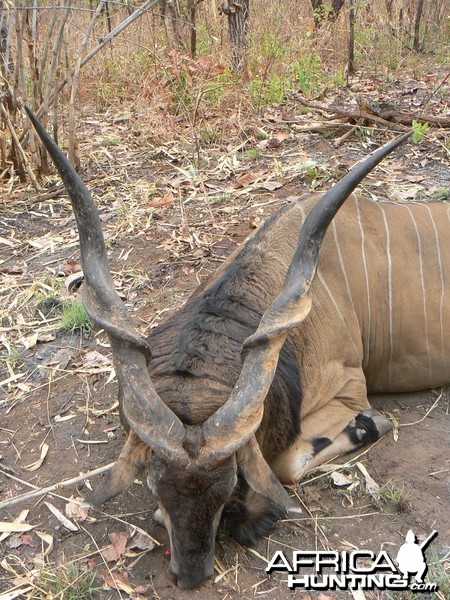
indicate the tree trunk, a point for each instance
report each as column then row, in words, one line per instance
column 319, row 10
column 3, row 33
column 351, row 39
column 192, row 11
column 237, row 12
column 170, row 17
column 416, row 45
column 336, row 6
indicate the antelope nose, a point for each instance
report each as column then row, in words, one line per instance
column 188, row 581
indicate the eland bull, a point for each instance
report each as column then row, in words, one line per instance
column 264, row 373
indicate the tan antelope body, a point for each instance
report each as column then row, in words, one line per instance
column 380, row 320
column 265, row 370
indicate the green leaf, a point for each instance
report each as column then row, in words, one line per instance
column 418, row 131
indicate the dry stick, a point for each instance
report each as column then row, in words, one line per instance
column 347, row 134
column 11, row 27
column 111, row 574
column 115, row 32
column 21, row 151
column 55, row 56
column 73, row 142
column 74, row 501
column 30, row 32
column 432, row 407
column 349, row 114
column 401, row 118
column 51, row 488
column 318, row 127
column 428, row 98
column 46, row 50
column 11, row 103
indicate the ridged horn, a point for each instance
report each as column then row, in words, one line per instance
column 232, row 425
column 147, row 415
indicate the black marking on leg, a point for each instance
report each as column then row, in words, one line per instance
column 319, row 444
column 362, row 430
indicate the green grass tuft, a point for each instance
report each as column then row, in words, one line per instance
column 74, row 318
column 66, row 581
column 442, row 193
column 253, row 153
column 394, row 495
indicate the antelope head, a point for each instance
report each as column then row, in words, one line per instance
column 192, row 470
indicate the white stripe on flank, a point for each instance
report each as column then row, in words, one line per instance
column 388, row 251
column 344, row 272
column 302, row 210
column 441, row 275
column 424, row 299
column 369, row 317
column 321, row 278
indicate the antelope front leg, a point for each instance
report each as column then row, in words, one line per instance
column 335, row 429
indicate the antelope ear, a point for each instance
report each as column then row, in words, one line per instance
column 131, row 460
column 261, row 478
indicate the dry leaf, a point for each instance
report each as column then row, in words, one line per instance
column 11, row 269
column 141, row 541
column 166, row 200
column 48, row 539
column 250, row 177
column 61, row 358
column 74, row 510
column 30, row 341
column 45, row 337
column 6, row 242
column 272, row 185
column 20, row 519
column 60, row 419
column 22, row 593
column 61, row 518
column 340, row 479
column 38, row 463
column 71, row 267
column 14, row 527
column 394, row 420
column 372, row 486
column 120, row 581
column 95, row 359
column 118, row 546
column 281, row 135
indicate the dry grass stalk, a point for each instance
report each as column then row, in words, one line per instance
column 18, row 145
column 73, row 144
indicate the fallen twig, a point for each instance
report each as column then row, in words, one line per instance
column 351, row 114
column 347, row 134
column 51, row 488
column 387, row 117
column 428, row 98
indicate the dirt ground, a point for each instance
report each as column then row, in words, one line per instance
column 168, row 226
